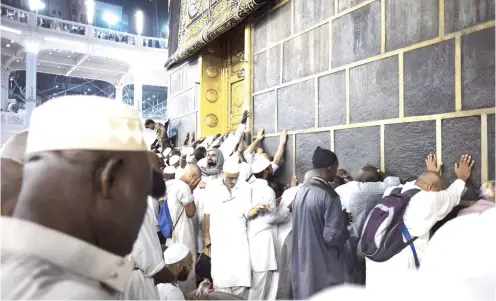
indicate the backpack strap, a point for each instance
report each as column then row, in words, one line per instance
column 409, row 240
column 396, row 190
column 411, row 192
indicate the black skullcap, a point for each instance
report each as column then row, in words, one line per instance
column 323, row 158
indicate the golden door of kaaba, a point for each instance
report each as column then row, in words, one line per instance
column 225, row 86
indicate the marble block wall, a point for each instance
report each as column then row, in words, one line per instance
column 379, row 82
column 183, row 98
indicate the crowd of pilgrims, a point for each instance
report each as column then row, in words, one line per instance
column 218, row 224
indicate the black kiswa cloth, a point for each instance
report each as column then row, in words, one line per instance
column 174, row 19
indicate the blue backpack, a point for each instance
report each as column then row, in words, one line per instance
column 384, row 229
column 165, row 220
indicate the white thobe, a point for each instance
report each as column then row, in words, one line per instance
column 230, row 256
column 169, row 291
column 282, row 221
column 147, row 256
column 41, row 263
column 424, row 210
column 179, row 195
column 228, row 146
column 261, row 240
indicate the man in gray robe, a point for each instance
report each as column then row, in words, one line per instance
column 319, row 231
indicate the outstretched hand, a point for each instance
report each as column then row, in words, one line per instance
column 283, row 137
column 245, row 116
column 431, row 163
column 260, row 134
column 463, row 169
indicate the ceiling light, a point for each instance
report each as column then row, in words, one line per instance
column 50, row 53
column 68, row 56
column 17, row 61
column 153, row 96
column 58, row 67
column 8, row 45
column 11, row 79
column 54, row 93
column 85, row 93
column 56, row 86
column 88, row 59
column 12, row 41
column 89, row 89
column 12, row 30
column 148, row 98
column 39, row 64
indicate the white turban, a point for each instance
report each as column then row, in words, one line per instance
column 231, row 165
column 175, row 253
column 260, row 164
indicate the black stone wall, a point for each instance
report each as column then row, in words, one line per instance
column 383, row 85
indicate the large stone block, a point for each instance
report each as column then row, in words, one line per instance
column 264, row 112
column 305, row 146
column 410, row 22
column 306, row 54
column 357, row 147
column 311, row 12
column 460, row 14
column 296, row 106
column 285, row 172
column 345, row 4
column 181, row 104
column 406, row 146
column 357, row 35
column 184, row 125
column 462, row 136
column 332, row 99
column 491, row 132
column 176, row 82
column 430, row 79
column 191, row 74
column 267, row 70
column 374, row 91
column 478, row 69
column 273, row 27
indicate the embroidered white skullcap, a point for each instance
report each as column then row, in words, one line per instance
column 175, row 253
column 232, row 165
column 85, row 123
column 260, row 164
column 170, row 170
column 15, row 147
column 174, row 160
column 187, row 150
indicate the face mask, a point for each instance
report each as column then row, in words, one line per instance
column 158, row 185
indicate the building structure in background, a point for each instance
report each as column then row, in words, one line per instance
column 385, row 81
column 44, row 57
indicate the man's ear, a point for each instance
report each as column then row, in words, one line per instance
column 109, row 174
column 430, row 187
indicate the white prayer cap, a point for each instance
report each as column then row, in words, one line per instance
column 260, row 164
column 187, row 150
column 15, row 147
column 175, row 253
column 231, row 165
column 174, row 160
column 167, row 151
column 85, row 123
column 170, row 170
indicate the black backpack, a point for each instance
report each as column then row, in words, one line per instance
column 383, row 233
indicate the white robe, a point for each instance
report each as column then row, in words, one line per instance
column 230, row 256
column 178, row 195
column 147, row 256
column 423, row 211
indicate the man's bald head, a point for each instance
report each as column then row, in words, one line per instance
column 430, row 181
column 191, row 174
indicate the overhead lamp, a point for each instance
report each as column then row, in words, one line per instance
column 68, row 56
column 153, row 96
column 17, row 61
column 89, row 89
column 56, row 86
column 8, row 45
column 90, row 10
column 12, row 30
column 139, row 22
column 110, row 18
column 50, row 53
column 36, row 5
column 12, row 41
